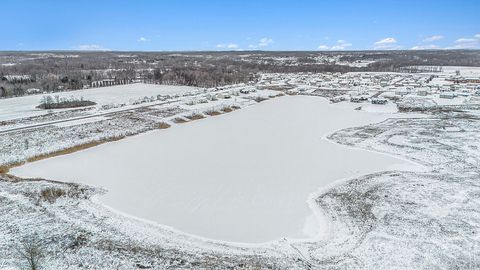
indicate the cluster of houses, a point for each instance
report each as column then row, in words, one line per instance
column 379, row 87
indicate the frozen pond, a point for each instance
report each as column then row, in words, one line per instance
column 241, row 177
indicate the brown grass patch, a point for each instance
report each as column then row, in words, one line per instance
column 227, row 109
column 212, row 113
column 4, row 169
column 179, row 120
column 235, row 107
column 52, row 194
column 195, row 116
column 73, row 149
column 163, row 125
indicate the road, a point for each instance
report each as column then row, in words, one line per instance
column 6, row 131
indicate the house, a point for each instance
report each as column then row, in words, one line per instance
column 422, row 93
column 402, row 92
column 338, row 99
column 380, row 101
column 448, row 95
column 358, row 99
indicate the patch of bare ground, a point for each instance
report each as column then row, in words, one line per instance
column 163, row 125
column 195, row 116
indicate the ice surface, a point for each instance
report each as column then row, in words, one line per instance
column 241, row 177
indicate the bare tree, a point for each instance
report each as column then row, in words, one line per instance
column 30, row 252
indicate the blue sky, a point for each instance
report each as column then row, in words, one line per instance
column 150, row 25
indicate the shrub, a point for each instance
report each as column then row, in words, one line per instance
column 227, row 109
column 195, row 116
column 48, row 103
column 52, row 194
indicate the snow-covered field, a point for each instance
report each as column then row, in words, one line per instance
column 21, row 107
column 464, row 71
column 241, row 177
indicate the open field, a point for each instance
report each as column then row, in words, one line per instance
column 21, row 107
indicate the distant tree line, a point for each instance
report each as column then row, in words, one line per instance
column 63, row 71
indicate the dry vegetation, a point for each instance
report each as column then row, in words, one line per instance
column 195, row 116
column 73, row 149
column 51, row 194
column 277, row 95
column 4, row 169
column 228, row 109
column 212, row 113
column 163, row 125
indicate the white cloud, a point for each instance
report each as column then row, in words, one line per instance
column 143, row 39
column 465, row 40
column 91, row 47
column 388, row 43
column 433, row 38
column 467, row 43
column 230, row 46
column 264, row 42
column 426, row 47
column 389, row 40
column 339, row 46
